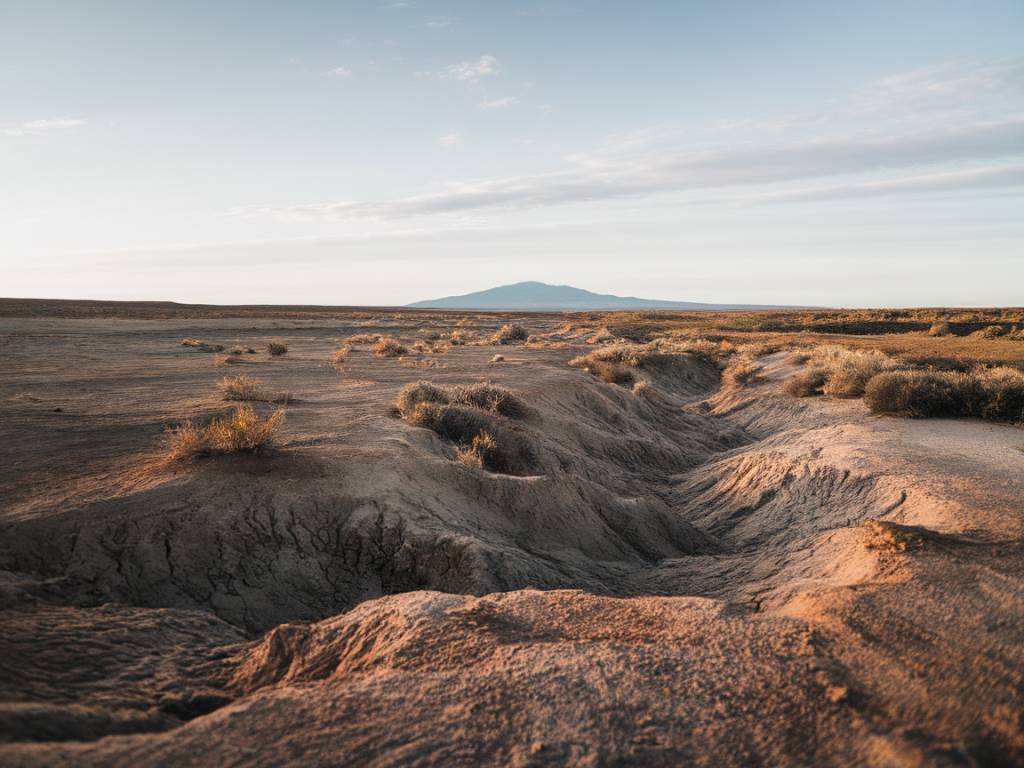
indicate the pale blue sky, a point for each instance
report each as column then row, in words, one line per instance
column 854, row 154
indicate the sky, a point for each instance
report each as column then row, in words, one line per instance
column 379, row 153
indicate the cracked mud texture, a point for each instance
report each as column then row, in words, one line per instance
column 702, row 575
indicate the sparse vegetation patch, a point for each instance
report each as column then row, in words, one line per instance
column 243, row 431
column 510, row 333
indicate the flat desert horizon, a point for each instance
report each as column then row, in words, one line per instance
column 444, row 384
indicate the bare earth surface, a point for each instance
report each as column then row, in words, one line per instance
column 699, row 575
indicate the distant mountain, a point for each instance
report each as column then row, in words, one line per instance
column 543, row 297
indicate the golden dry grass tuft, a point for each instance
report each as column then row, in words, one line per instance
column 848, row 370
column 242, row 431
column 389, row 347
column 240, row 388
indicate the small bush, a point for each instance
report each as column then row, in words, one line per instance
column 939, row 329
column 510, row 333
column 389, row 347
column 243, row 431
column 485, row 397
column 420, row 392
column 995, row 394
column 643, row 389
column 612, row 373
column 276, row 348
column 797, row 358
column 473, row 418
column 916, row 394
column 806, row 383
column 849, row 371
column 241, row 388
column 489, row 397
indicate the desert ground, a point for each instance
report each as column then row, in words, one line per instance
column 659, row 554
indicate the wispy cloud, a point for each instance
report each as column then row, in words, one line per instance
column 942, row 81
column 438, row 24
column 505, row 101
column 596, row 178
column 41, row 126
column 467, row 71
column 450, row 139
column 340, row 72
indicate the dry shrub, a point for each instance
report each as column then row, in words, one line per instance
column 996, row 394
column 482, row 452
column 743, row 371
column 202, row 346
column 643, row 389
column 502, row 450
column 655, row 354
column 849, row 370
column 242, row 431
column 939, row 329
column 806, row 383
column 389, row 347
column 489, row 397
column 276, row 348
column 509, row 334
column 474, row 419
column 484, row 396
column 612, row 373
column 241, row 388
column 498, row 359
column 797, row 358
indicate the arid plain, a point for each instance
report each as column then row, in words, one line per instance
column 512, row 539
